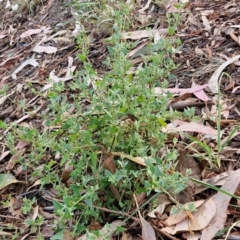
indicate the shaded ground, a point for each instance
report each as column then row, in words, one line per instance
column 207, row 40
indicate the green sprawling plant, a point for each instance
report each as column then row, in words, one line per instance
column 98, row 114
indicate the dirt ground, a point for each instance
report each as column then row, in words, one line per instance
column 203, row 50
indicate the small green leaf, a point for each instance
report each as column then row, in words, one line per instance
column 51, row 163
column 57, row 236
column 190, row 207
column 175, row 210
column 162, row 122
column 57, row 205
column 120, row 229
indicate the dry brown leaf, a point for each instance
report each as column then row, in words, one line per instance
column 30, row 32
column 21, row 145
column 224, row 141
column 217, row 180
column 47, row 231
column 163, row 201
column 13, row 160
column 235, row 89
column 61, row 40
column 193, row 236
column 180, row 105
column 147, row 230
column 15, row 207
column 35, row 212
column 180, row 126
column 200, row 94
column 109, row 164
column 106, row 231
column 30, row 61
column 38, row 182
column 158, row 210
column 185, row 96
column 3, row 233
column 3, row 155
column 4, row 98
column 44, row 49
column 145, row 7
column 231, row 84
column 221, row 201
column 182, row 214
column 70, row 69
column 209, row 51
column 138, row 160
column 138, row 48
column 66, row 172
column 207, row 12
column 94, row 226
column 60, row 32
column 77, row 29
column 200, row 219
column 199, row 51
column 213, row 82
column 235, row 38
column 180, row 91
column 170, row 6
column 139, row 34
column 192, row 20
column 143, row 18
column 206, row 23
column 137, row 60
column 115, row 192
column 141, row 197
column 46, row 7
column 2, row 36
column 46, row 215
column 225, row 108
column 126, row 236
column 185, row 162
column 143, row 34
column 26, row 235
